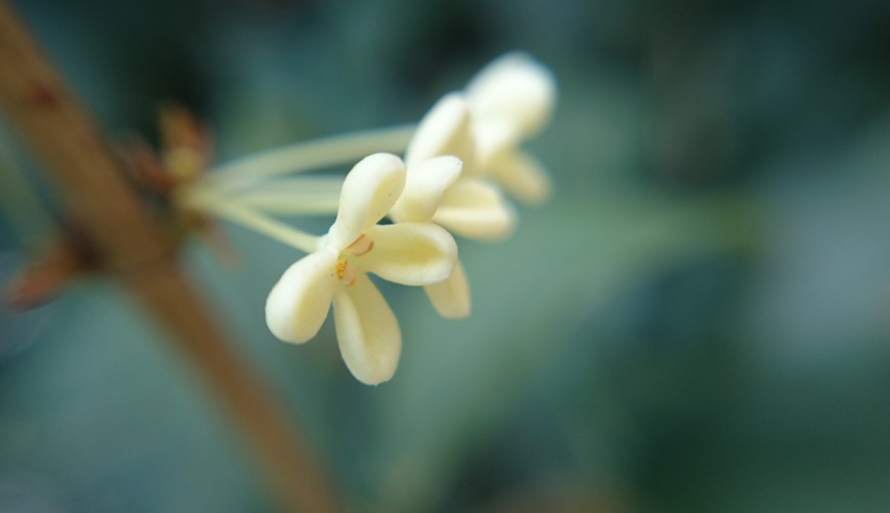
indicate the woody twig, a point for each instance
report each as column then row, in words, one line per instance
column 131, row 246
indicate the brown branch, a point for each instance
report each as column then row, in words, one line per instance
column 132, row 246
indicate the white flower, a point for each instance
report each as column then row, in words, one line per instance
column 511, row 100
column 411, row 253
column 469, row 204
column 440, row 190
column 507, row 102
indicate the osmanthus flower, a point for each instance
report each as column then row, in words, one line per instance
column 507, row 102
column 511, row 100
column 451, row 196
column 470, row 204
column 336, row 273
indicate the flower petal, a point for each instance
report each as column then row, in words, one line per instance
column 514, row 91
column 445, row 130
column 427, row 181
column 521, row 175
column 410, row 253
column 451, row 297
column 298, row 304
column 370, row 190
column 476, row 209
column 367, row 331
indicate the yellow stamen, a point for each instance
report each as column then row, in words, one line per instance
column 345, row 272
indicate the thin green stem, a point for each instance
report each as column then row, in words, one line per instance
column 329, row 185
column 306, row 156
column 285, row 203
column 295, row 196
column 250, row 218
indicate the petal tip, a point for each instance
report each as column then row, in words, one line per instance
column 451, row 297
column 367, row 332
column 299, row 302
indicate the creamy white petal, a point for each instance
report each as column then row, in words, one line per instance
column 521, row 175
column 410, row 253
column 369, row 191
column 474, row 208
column 514, row 91
column 298, row 304
column 491, row 140
column 427, row 181
column 445, row 130
column 451, row 297
column 367, row 331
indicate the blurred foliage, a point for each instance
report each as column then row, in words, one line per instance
column 697, row 321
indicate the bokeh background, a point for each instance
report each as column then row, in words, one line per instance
column 697, row 321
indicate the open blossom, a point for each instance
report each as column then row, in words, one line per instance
column 511, row 100
column 507, row 102
column 409, row 253
column 450, row 195
column 469, row 204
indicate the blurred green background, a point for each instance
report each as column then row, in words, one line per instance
column 698, row 321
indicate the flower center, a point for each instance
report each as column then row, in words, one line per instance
column 344, row 268
column 345, row 271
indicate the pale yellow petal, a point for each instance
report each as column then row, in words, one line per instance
column 515, row 92
column 445, row 130
column 492, row 139
column 298, row 304
column 367, row 331
column 410, row 253
column 475, row 209
column 451, row 297
column 521, row 175
column 369, row 191
column 427, row 181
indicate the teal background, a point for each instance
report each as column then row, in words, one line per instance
column 697, row 321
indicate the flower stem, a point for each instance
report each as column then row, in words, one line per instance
column 284, row 204
column 238, row 212
column 295, row 196
column 300, row 157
